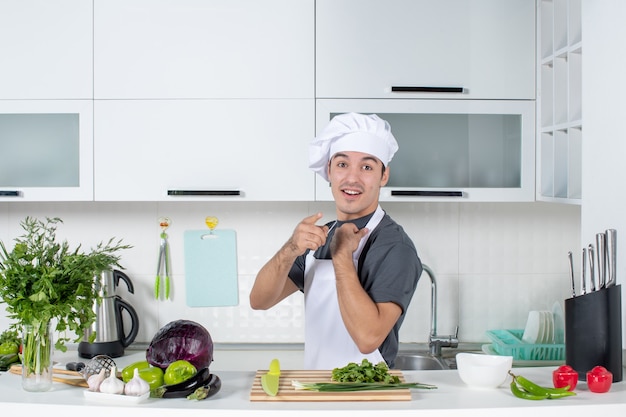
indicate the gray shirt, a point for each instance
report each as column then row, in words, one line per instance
column 388, row 269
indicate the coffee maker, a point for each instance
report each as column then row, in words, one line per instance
column 111, row 337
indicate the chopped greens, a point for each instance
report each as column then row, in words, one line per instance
column 365, row 372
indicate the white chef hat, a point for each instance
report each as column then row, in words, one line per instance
column 353, row 132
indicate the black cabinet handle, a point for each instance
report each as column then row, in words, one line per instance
column 407, row 89
column 411, row 193
column 215, row 193
column 10, row 193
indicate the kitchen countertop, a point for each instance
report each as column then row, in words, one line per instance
column 452, row 397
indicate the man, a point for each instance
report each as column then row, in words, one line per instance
column 358, row 273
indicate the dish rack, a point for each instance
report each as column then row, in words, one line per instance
column 510, row 343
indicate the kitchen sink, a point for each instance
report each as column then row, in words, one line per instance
column 423, row 361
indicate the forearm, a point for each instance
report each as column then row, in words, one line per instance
column 272, row 282
column 367, row 322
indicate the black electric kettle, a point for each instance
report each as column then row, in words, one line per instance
column 111, row 337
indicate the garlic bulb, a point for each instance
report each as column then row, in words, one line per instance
column 136, row 386
column 94, row 381
column 111, row 384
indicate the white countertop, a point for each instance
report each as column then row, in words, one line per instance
column 452, row 397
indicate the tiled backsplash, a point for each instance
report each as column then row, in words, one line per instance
column 493, row 261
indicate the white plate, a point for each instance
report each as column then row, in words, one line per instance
column 545, row 328
column 115, row 398
column 550, row 327
column 559, row 323
column 533, row 328
column 542, row 328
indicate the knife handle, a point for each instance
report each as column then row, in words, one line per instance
column 611, row 254
column 592, row 269
column 583, row 273
column 601, row 256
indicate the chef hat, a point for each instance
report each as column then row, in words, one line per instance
column 352, row 132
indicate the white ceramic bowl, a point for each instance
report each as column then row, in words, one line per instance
column 483, row 371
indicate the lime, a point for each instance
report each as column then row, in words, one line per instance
column 269, row 382
column 274, row 367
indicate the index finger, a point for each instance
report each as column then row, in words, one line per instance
column 312, row 219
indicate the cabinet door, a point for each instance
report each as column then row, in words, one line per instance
column 204, row 49
column 46, row 150
column 191, row 150
column 450, row 150
column 366, row 47
column 46, row 49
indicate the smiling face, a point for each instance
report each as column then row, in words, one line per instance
column 355, row 179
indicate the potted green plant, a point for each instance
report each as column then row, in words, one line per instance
column 46, row 285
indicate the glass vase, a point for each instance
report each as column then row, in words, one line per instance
column 37, row 357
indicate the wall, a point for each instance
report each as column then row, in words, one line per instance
column 494, row 261
column 604, row 150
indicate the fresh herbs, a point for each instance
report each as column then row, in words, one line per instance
column 43, row 280
column 365, row 372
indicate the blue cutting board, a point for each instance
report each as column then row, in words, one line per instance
column 211, row 268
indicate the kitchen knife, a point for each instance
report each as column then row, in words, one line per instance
column 583, row 273
column 571, row 273
column 601, row 258
column 592, row 270
column 611, row 256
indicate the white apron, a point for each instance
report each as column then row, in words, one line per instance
column 327, row 343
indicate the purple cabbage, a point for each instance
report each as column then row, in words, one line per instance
column 181, row 340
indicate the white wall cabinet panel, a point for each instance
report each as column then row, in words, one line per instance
column 450, row 150
column 255, row 149
column 559, row 104
column 204, row 49
column 46, row 48
column 46, row 150
column 366, row 47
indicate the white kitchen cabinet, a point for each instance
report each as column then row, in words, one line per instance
column 46, row 49
column 199, row 150
column 46, row 150
column 148, row 49
column 559, row 103
column 369, row 48
column 450, row 150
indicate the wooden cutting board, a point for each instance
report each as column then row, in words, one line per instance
column 68, row 377
column 286, row 392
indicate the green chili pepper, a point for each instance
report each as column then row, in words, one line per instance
column 522, row 387
column 525, row 395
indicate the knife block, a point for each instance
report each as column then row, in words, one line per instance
column 593, row 331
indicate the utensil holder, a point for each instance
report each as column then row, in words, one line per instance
column 593, row 331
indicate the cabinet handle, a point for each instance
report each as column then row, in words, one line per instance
column 403, row 193
column 10, row 193
column 203, row 192
column 406, row 89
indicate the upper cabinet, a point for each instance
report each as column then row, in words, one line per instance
column 203, row 100
column 195, row 150
column 46, row 106
column 46, row 150
column 46, row 49
column 559, row 103
column 169, row 49
column 474, row 49
column 450, row 150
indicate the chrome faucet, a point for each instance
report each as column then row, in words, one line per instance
column 435, row 341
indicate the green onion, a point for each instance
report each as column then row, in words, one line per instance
column 357, row 386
